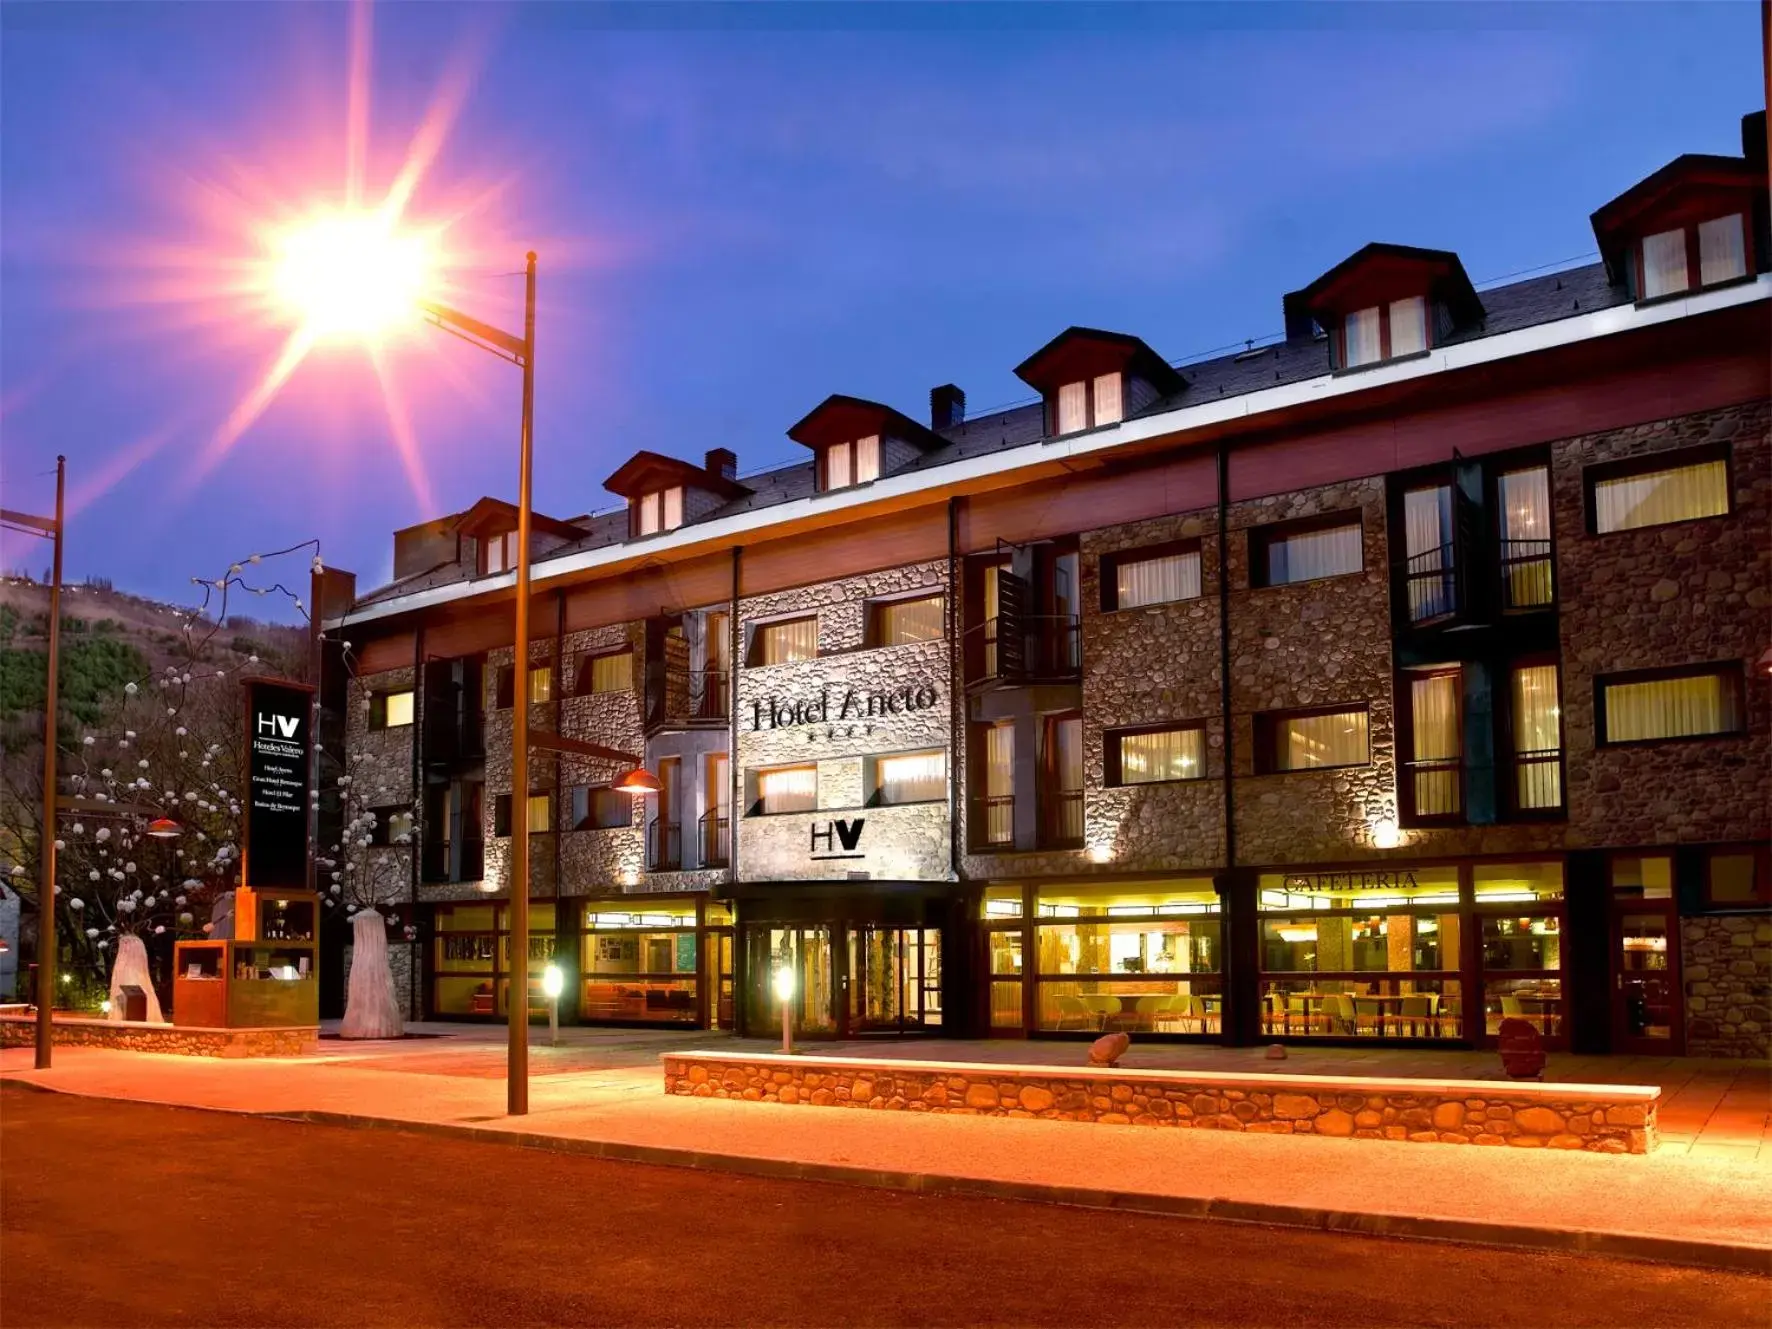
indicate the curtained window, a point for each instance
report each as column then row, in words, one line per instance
column 911, row 777
column 1427, row 535
column 1306, row 555
column 541, row 684
column 1524, row 499
column 662, row 511
column 1312, row 742
column 787, row 789
column 390, row 710
column 1538, row 738
column 1437, row 743
column 1063, row 794
column 1361, row 338
column 1408, row 326
column 539, row 810
column 785, row 642
column 1656, row 498
column 867, row 459
column 598, row 807
column 1073, row 408
column 1161, row 756
column 897, row 622
column 1705, row 701
column 613, row 672
column 498, row 553
column 838, row 472
column 1109, row 408
column 993, row 581
column 1156, row 580
column 1722, row 250
column 1664, row 264
column 999, row 784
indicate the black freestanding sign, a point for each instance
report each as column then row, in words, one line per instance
column 279, row 747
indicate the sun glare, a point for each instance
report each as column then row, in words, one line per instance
column 353, row 276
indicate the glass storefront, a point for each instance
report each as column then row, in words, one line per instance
column 640, row 963
column 471, row 959
column 1520, row 911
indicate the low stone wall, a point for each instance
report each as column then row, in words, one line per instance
column 1613, row 1119
column 133, row 1036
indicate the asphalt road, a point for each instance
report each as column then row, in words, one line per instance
column 126, row 1214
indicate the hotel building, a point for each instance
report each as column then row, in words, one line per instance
column 1373, row 684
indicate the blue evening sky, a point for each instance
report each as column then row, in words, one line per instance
column 740, row 210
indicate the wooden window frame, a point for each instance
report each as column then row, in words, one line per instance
column 1260, row 538
column 1112, row 756
column 753, row 656
column 873, row 637
column 1502, row 706
column 1385, row 357
column 1266, row 724
column 582, row 675
column 378, row 708
column 1725, row 669
column 1088, row 382
column 1109, row 571
column 1673, row 459
column 1694, row 260
column 1404, row 710
column 484, row 548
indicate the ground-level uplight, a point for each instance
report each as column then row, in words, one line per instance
column 784, row 993
column 552, row 980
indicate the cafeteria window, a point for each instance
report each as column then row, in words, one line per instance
column 471, row 958
column 1135, row 958
column 641, row 964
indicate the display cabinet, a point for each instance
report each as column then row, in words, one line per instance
column 266, row 977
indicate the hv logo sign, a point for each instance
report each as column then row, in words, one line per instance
column 839, row 834
column 278, row 726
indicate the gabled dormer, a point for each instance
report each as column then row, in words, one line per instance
column 488, row 533
column 1387, row 302
column 1090, row 379
column 664, row 492
column 1698, row 222
column 855, row 442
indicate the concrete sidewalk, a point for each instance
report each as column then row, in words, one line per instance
column 604, row 1096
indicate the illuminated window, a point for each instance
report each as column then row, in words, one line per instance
column 598, row 807
column 785, row 789
column 541, row 684
column 1435, row 767
column 1088, row 404
column 910, row 777
column 1282, row 555
column 661, row 511
column 1641, row 497
column 1537, row 738
column 393, row 826
column 1429, row 549
column 1737, row 877
column 1524, row 499
column 1384, row 332
column 786, row 642
column 856, row 463
column 1139, row 578
column 1156, row 756
column 539, row 810
column 498, row 553
column 610, row 672
column 898, row 622
column 1311, row 741
column 1690, row 257
column 1650, row 877
column 390, row 710
column 1678, row 704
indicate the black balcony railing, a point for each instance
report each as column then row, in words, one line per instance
column 1527, row 581
column 1436, row 787
column 993, row 822
column 1432, row 587
column 677, row 696
column 1538, row 780
column 715, row 839
column 664, row 846
column 1061, row 821
column 1049, row 646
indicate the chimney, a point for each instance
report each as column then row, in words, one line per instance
column 947, row 407
column 1753, row 138
column 1300, row 326
column 722, row 463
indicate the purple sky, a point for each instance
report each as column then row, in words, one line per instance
column 738, row 211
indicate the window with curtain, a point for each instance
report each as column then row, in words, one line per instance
column 1073, row 408
column 897, row 622
column 598, row 807
column 1155, row 579
column 838, row 471
column 498, row 553
column 998, row 819
column 1537, row 739
column 1436, row 714
column 787, row 789
column 541, row 684
column 613, row 672
column 1704, row 701
column 1722, row 250
column 716, row 641
column 1428, row 546
column 910, row 777
column 1656, row 498
column 1664, row 264
column 1158, row 756
column 867, row 459
column 993, row 574
column 785, row 642
column 1313, row 742
column 1063, row 795
column 540, row 814
column 1322, row 551
column 1524, row 499
column 1109, row 406
column 1408, row 326
column 1361, row 340
column 661, row 511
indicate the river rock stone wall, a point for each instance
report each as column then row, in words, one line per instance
column 20, row 1031
column 1460, row 1112
column 1726, row 962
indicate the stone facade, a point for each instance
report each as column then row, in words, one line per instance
column 73, row 1031
column 1727, row 969
column 1613, row 1120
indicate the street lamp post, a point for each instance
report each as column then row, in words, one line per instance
column 51, row 527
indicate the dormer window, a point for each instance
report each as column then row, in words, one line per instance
column 498, row 553
column 661, row 510
column 852, row 463
column 1384, row 332
column 1692, row 257
column 1088, row 404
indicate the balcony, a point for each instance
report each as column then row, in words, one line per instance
column 993, row 822
column 1435, row 789
column 1538, row 781
column 715, row 838
column 1061, row 819
column 1043, row 648
column 664, row 846
column 1431, row 584
column 687, row 696
column 1527, row 580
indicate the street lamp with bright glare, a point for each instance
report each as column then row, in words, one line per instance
column 784, row 993
column 353, row 275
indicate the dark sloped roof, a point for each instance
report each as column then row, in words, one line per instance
column 1055, row 361
column 1451, row 284
column 840, row 418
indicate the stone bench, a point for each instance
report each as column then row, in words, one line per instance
column 139, row 1036
column 1613, row 1119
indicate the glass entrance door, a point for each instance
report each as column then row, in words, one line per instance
column 806, row 952
column 1646, row 1009
column 719, row 978
column 894, row 979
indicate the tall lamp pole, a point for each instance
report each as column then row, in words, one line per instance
column 51, row 527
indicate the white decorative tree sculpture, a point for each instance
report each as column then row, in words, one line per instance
column 131, row 967
column 370, row 1010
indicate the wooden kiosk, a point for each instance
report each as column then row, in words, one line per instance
column 266, row 976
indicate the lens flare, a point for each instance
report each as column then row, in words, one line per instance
column 353, row 276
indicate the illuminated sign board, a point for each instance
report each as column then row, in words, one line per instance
column 828, row 706
column 279, row 784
